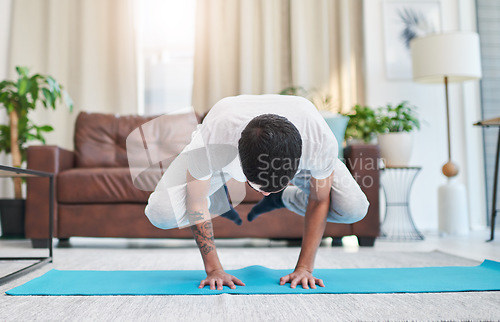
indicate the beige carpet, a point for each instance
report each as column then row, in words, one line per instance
column 328, row 307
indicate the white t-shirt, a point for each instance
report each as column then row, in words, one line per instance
column 221, row 129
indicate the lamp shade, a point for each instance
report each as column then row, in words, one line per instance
column 455, row 55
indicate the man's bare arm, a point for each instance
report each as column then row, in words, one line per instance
column 200, row 220
column 201, row 226
column 314, row 228
column 203, row 233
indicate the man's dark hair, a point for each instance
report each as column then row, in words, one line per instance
column 270, row 148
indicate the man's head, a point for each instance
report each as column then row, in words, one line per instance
column 270, row 148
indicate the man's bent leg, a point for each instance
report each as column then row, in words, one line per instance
column 348, row 202
column 163, row 205
column 295, row 200
column 220, row 205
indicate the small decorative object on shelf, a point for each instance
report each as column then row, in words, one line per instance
column 398, row 223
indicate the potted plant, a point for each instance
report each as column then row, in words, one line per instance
column 295, row 91
column 395, row 127
column 362, row 126
column 18, row 98
column 327, row 108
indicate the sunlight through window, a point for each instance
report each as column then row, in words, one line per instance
column 166, row 51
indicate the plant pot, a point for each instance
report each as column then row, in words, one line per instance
column 12, row 217
column 351, row 141
column 396, row 148
column 338, row 124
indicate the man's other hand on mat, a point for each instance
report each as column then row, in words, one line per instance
column 220, row 278
column 303, row 276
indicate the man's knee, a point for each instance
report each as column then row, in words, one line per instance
column 359, row 211
column 160, row 215
column 356, row 211
column 154, row 217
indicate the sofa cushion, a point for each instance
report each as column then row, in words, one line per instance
column 153, row 146
column 101, row 139
column 98, row 185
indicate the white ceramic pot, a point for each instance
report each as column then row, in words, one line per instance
column 396, row 148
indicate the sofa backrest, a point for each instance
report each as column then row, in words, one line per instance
column 100, row 139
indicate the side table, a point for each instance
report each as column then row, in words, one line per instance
column 398, row 224
column 11, row 172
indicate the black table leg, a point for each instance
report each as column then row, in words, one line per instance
column 39, row 261
column 495, row 185
column 51, row 216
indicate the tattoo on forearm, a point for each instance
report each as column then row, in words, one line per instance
column 203, row 232
column 195, row 217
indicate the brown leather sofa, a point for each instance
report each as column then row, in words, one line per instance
column 95, row 196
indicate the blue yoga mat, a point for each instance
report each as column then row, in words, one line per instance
column 262, row 280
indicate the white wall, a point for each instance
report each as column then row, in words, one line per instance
column 430, row 150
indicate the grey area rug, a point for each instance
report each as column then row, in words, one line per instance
column 323, row 307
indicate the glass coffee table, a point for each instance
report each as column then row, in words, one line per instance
column 11, row 172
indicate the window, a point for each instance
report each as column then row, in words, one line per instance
column 166, row 52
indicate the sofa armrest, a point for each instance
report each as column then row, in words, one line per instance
column 49, row 159
column 362, row 160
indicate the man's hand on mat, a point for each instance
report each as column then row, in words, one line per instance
column 302, row 276
column 220, row 278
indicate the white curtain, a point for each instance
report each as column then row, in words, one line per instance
column 6, row 187
column 264, row 46
column 88, row 46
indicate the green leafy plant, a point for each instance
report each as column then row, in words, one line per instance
column 18, row 98
column 362, row 124
column 295, row 90
column 400, row 118
column 321, row 99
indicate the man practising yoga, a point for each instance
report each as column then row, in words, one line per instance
column 268, row 141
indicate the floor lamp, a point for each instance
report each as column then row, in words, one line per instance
column 447, row 58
